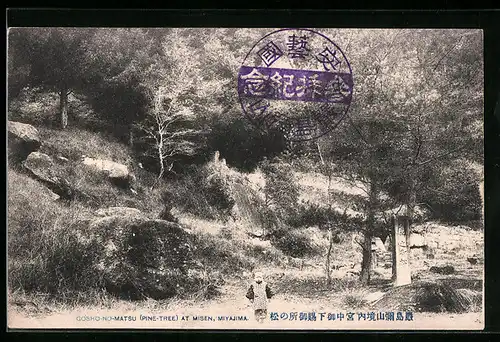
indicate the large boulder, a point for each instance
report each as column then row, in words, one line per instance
column 23, row 139
column 142, row 257
column 41, row 167
column 118, row 173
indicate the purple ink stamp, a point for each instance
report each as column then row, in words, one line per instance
column 298, row 81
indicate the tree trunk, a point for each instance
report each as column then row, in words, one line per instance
column 328, row 257
column 412, row 199
column 159, row 149
column 367, row 259
column 481, row 193
column 393, row 248
column 366, row 264
column 63, row 107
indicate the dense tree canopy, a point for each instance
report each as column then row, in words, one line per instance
column 417, row 98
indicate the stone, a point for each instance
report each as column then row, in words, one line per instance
column 142, row 257
column 118, row 173
column 41, row 167
column 23, row 139
column 50, row 194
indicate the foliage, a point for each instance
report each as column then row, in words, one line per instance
column 310, row 214
column 456, row 196
column 281, row 190
column 293, row 242
column 219, row 254
column 52, row 57
column 46, row 253
column 56, row 59
column 242, row 144
column 172, row 98
column 414, row 123
column 203, row 193
column 407, row 116
column 141, row 257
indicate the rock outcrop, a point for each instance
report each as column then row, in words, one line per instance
column 23, row 139
column 141, row 257
column 41, row 167
column 118, row 173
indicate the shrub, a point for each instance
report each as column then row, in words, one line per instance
column 204, row 193
column 46, row 251
column 217, row 193
column 34, row 107
column 38, row 107
column 281, row 190
column 456, row 197
column 219, row 254
column 293, row 243
column 68, row 262
column 188, row 196
column 310, row 214
column 141, row 257
column 354, row 299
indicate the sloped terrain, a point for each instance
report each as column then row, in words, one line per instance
column 225, row 251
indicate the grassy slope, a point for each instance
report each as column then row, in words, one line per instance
column 29, row 203
column 74, row 142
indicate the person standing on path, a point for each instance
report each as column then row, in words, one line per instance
column 259, row 294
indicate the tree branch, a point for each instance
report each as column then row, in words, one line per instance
column 446, row 54
column 441, row 155
column 357, row 130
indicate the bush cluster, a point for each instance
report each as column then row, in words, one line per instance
column 46, row 251
column 455, row 197
column 281, row 190
column 293, row 242
column 202, row 193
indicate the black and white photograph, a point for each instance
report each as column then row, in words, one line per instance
column 245, row 178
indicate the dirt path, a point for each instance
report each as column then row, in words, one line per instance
column 232, row 311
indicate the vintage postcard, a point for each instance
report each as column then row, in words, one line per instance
column 245, row 178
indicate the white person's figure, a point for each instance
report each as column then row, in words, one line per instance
column 259, row 294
